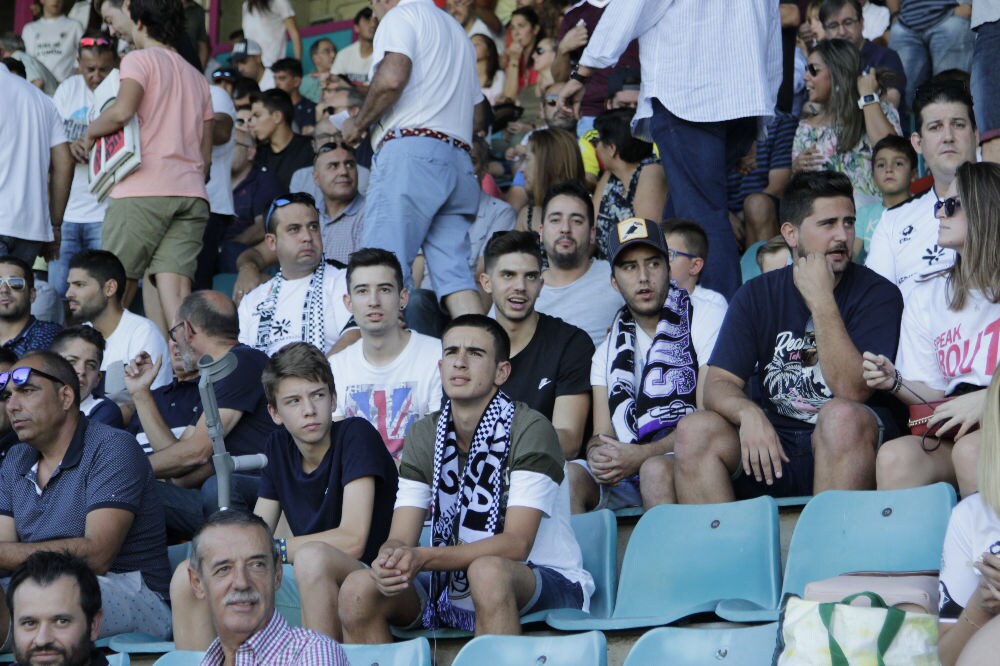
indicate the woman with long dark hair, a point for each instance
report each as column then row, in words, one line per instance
column 266, row 22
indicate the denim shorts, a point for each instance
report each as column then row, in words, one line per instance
column 552, row 590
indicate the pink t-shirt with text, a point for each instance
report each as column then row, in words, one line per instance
column 175, row 104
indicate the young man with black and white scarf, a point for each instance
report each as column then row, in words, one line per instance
column 644, row 376
column 493, row 475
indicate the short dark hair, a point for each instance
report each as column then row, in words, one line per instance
column 694, row 236
column 57, row 366
column 29, row 274
column 831, row 7
column 531, row 16
column 47, row 566
column 363, row 13
column 900, row 145
column 198, row 309
column 511, row 242
column 244, row 86
column 276, row 100
column 314, row 47
column 15, row 66
column 299, row 360
column 938, row 91
column 102, row 266
column 615, row 129
column 164, row 19
column 374, row 256
column 81, row 332
column 501, row 341
column 7, row 357
column 231, row 517
column 291, row 66
column 807, row 186
column 570, row 188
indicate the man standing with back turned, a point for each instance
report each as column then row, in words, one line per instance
column 423, row 191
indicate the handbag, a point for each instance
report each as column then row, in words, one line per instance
column 920, row 415
column 813, row 633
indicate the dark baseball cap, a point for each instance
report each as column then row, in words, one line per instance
column 635, row 231
column 623, row 78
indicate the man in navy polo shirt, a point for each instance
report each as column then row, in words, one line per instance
column 81, row 486
column 334, row 481
column 206, row 323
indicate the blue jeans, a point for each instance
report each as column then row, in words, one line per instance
column 423, row 193
column 185, row 509
column 985, row 83
column 696, row 158
column 76, row 237
column 945, row 45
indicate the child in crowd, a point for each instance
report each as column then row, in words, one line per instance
column 773, row 255
column 894, row 165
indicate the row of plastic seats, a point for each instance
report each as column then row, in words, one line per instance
column 743, row 646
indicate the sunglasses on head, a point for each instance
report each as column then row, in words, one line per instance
column 87, row 42
column 285, row 200
column 16, row 283
column 334, row 145
column 950, row 205
column 19, row 377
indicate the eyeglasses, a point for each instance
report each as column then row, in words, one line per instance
column 20, row 377
column 170, row 331
column 846, row 23
column 14, row 282
column 285, row 200
column 950, row 205
column 673, row 254
column 594, row 140
column 813, row 69
column 87, row 42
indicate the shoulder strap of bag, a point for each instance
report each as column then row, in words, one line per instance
column 890, row 627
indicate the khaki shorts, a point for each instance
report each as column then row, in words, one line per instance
column 158, row 234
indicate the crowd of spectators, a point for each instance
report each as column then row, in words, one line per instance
column 483, row 267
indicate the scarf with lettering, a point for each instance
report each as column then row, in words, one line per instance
column 467, row 505
column 313, row 325
column 667, row 386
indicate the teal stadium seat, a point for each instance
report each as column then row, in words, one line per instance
column 842, row 531
column 682, row 560
column 180, row 658
column 590, row 648
column 689, row 646
column 416, row 652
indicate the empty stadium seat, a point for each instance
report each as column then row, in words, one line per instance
column 180, row 658
column 690, row 646
column 842, row 531
column 684, row 559
column 590, row 648
column 224, row 282
column 416, row 652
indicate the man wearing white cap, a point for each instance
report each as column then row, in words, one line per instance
column 246, row 56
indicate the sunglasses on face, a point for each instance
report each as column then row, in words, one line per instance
column 20, row 376
column 950, row 205
column 540, row 51
column 282, row 201
column 14, row 283
column 813, row 69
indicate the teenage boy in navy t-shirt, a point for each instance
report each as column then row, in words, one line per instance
column 335, row 482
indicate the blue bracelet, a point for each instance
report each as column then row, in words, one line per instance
column 282, row 549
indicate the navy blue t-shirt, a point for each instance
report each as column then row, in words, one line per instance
column 882, row 57
column 314, row 502
column 769, row 327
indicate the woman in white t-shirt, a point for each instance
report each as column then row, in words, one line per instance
column 949, row 341
column 970, row 564
column 266, row 22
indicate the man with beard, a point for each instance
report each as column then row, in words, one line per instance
column 800, row 329
column 55, row 604
column 577, row 288
column 206, row 324
column 96, row 284
column 549, row 359
column 20, row 332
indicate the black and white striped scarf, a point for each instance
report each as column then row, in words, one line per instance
column 313, row 325
column 467, row 505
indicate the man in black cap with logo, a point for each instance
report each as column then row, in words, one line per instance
column 644, row 377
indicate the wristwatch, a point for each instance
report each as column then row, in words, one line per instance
column 870, row 98
column 577, row 76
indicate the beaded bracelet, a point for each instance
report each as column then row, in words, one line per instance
column 282, row 549
column 897, row 384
